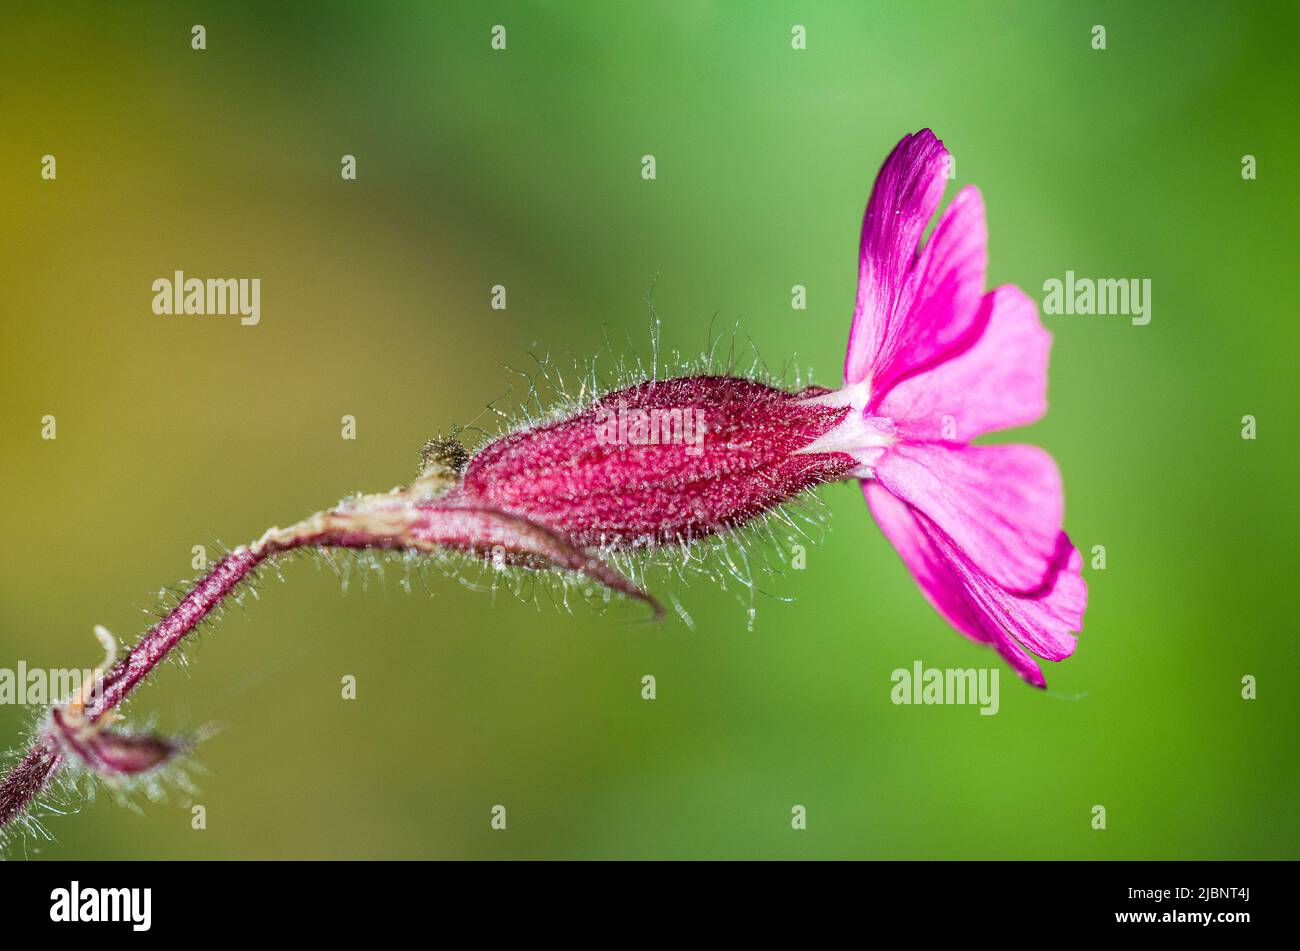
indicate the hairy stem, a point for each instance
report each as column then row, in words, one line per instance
column 426, row 516
column 31, row 775
column 169, row 632
column 33, row 772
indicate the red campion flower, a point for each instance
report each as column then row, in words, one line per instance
column 667, row 463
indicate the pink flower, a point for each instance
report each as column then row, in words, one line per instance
column 933, row 362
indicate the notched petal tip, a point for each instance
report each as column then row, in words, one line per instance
column 904, row 198
column 1043, row 621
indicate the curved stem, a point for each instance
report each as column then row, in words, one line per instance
column 34, row 771
column 402, row 519
column 167, row 633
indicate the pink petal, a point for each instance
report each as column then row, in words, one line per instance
column 1043, row 621
column 948, row 288
column 1000, row 505
column 914, row 303
column 903, row 200
column 897, row 520
column 994, row 378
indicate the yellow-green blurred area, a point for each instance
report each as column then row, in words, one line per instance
column 523, row 167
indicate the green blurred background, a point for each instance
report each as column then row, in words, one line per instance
column 522, row 167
